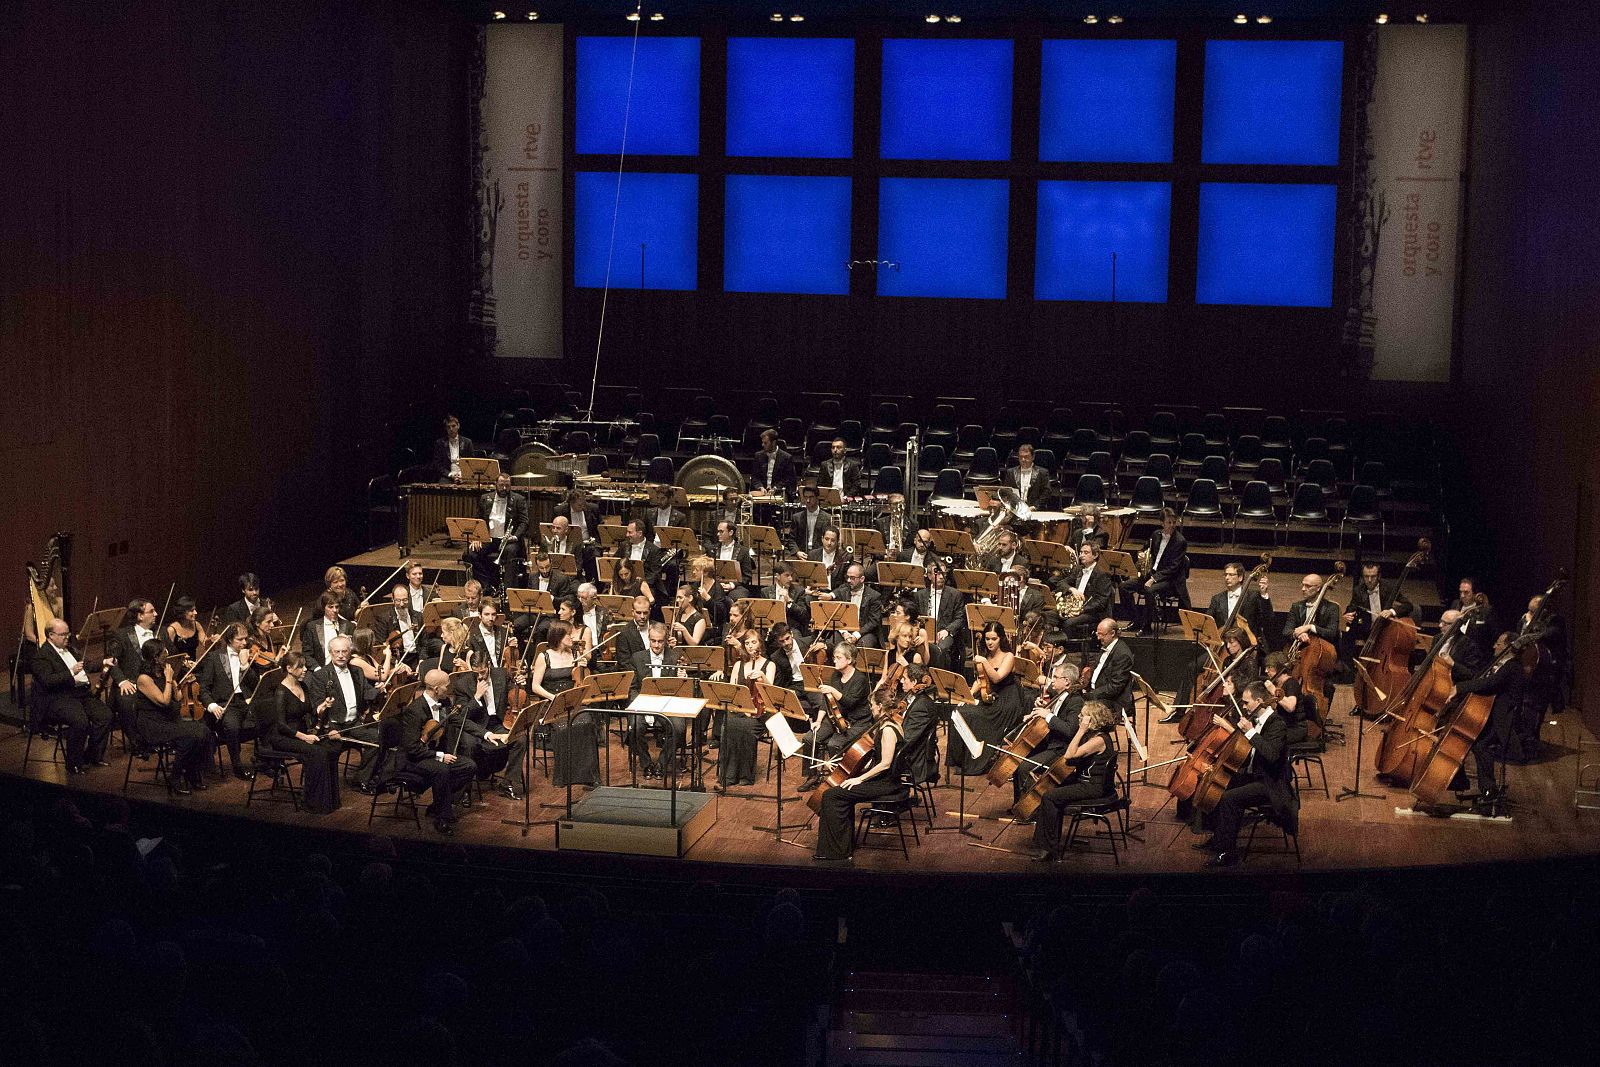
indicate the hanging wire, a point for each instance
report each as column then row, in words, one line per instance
column 616, row 207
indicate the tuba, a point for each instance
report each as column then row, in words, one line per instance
column 985, row 542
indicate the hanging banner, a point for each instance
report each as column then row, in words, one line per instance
column 1418, row 119
column 517, row 301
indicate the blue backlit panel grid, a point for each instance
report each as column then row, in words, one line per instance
column 1107, row 101
column 946, row 100
column 663, row 108
column 1272, row 102
column 791, row 97
column 786, row 235
column 657, row 219
column 1266, row 244
column 946, row 236
column 1099, row 239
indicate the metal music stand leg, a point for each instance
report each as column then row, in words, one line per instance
column 962, row 826
column 1348, row 792
column 527, row 822
column 777, row 828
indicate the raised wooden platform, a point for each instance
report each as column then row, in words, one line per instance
column 1334, row 836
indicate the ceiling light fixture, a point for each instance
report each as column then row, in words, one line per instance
column 1090, row 20
column 533, row 16
column 1241, row 19
column 657, row 17
column 499, row 15
column 633, row 16
column 1263, row 19
column 952, row 18
column 931, row 18
column 797, row 18
column 1423, row 17
column 1115, row 20
column 1383, row 20
column 777, row 16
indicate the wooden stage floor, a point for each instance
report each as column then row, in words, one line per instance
column 1335, row 836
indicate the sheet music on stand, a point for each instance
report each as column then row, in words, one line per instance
column 829, row 615
column 436, row 610
column 678, row 537
column 950, row 542
column 760, row 538
column 564, row 563
column 866, row 540
column 465, row 529
column 614, row 603
column 613, row 685
column 611, row 535
column 809, row 573
column 732, row 697
column 99, row 625
column 950, row 687
column 666, row 687
column 816, row 675
column 707, row 659
column 1049, row 554
column 979, row 615
column 530, row 602
column 785, row 702
column 727, row 570
column 1118, row 564
column 764, row 613
column 976, row 584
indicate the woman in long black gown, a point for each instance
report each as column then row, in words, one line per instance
column 576, row 745
column 741, row 734
column 286, row 722
column 156, row 721
column 999, row 717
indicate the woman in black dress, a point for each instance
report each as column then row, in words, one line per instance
column 576, row 746
column 186, row 635
column 1093, row 753
column 689, row 624
column 998, row 717
column 156, row 721
column 629, row 581
column 287, row 722
column 736, row 759
column 878, row 778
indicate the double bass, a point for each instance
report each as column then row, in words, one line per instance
column 1383, row 665
column 1467, row 714
column 1311, row 661
column 1414, row 713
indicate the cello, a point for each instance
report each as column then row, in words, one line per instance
column 1311, row 661
column 854, row 758
column 1028, row 737
column 1204, row 776
column 1383, row 665
column 1414, row 713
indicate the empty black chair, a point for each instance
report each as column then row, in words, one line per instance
column 828, row 416
column 885, row 415
column 1136, row 449
column 647, row 448
column 1215, row 468
column 1275, row 439
column 1163, row 429
column 1313, row 449
column 985, row 467
column 949, row 484
column 660, row 471
column 877, row 457
column 943, row 419
column 1215, row 429
column 1029, row 435
column 1255, row 508
column 1309, row 506
column 1160, row 467
column 1204, row 502
column 1084, row 444
column 945, row 439
column 1061, row 422
column 1045, row 459
column 1375, row 474
column 1364, row 510
column 1147, row 498
column 850, row 430
column 1192, row 450
column 1271, row 471
column 599, row 463
column 1247, row 453
column 1322, row 473
column 904, row 432
column 889, row 480
column 820, row 451
column 968, row 441
column 1004, row 443
column 929, row 463
column 792, row 431
column 1113, row 425
column 1091, row 490
column 577, row 442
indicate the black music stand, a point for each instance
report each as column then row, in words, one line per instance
column 787, row 744
column 952, row 689
column 563, row 704
column 760, row 539
column 1349, row 792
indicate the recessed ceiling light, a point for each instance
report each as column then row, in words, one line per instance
column 931, row 18
column 1422, row 17
column 1090, row 20
column 777, row 16
column 1115, row 20
column 797, row 18
column 499, row 15
column 1383, row 20
column 657, row 16
column 533, row 16
column 1241, row 19
column 1263, row 19
column 633, row 16
column 952, row 18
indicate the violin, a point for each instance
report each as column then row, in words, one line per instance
column 517, row 698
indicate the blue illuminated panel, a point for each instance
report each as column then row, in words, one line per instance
column 786, row 235
column 790, row 96
column 658, row 211
column 948, row 236
column 1272, row 102
column 1266, row 244
column 1107, row 101
column 664, row 117
column 946, row 100
column 1082, row 223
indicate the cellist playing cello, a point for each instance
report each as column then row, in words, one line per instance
column 836, row 818
column 1262, row 782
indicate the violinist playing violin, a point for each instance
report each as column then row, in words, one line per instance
column 1092, row 753
column 227, row 680
column 1263, row 782
column 880, row 777
column 402, row 629
column 352, row 693
column 430, row 728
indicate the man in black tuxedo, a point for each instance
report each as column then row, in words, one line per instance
column 481, row 697
column 1057, row 706
column 227, row 681
column 1481, row 626
column 655, row 660
column 839, row 471
column 1169, row 571
column 61, row 694
column 446, row 771
column 1300, row 627
column 489, row 643
column 1031, row 483
column 855, row 590
column 352, row 694
column 249, row 600
column 948, row 609
column 448, row 450
column 727, row 547
column 497, row 562
column 397, row 617
column 578, row 532
column 125, row 649
column 1264, row 781
column 1236, row 602
column 797, row 609
column 544, row 577
column 1111, row 677
column 918, row 551
column 773, row 467
column 1373, row 599
column 632, row 639
column 639, row 545
column 805, row 532
column 317, row 633
column 1007, row 553
column 1094, row 585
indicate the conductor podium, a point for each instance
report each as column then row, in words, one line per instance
column 642, row 822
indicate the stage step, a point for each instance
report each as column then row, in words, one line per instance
column 924, row 1020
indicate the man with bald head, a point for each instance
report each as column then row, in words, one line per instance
column 61, row 696
column 436, row 759
column 1301, row 627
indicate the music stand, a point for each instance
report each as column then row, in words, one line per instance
column 611, row 534
column 479, row 471
column 1349, row 792
column 1151, row 698
column 866, row 540
column 952, row 689
column 536, row 602
column 606, row 569
column 834, row 616
column 1119, row 565
column 97, row 627
column 463, row 529
column 816, row 675
column 1049, row 554
column 901, row 575
column 666, row 687
column 809, row 573
column 563, row 563
column 730, row 698
column 977, row 584
column 760, row 539
column 787, row 707
column 688, row 708
column 1199, row 627
column 435, row 611
column 678, row 538
column 564, row 705
column 614, row 604
column 701, row 659
column 948, row 542
column 829, row 497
